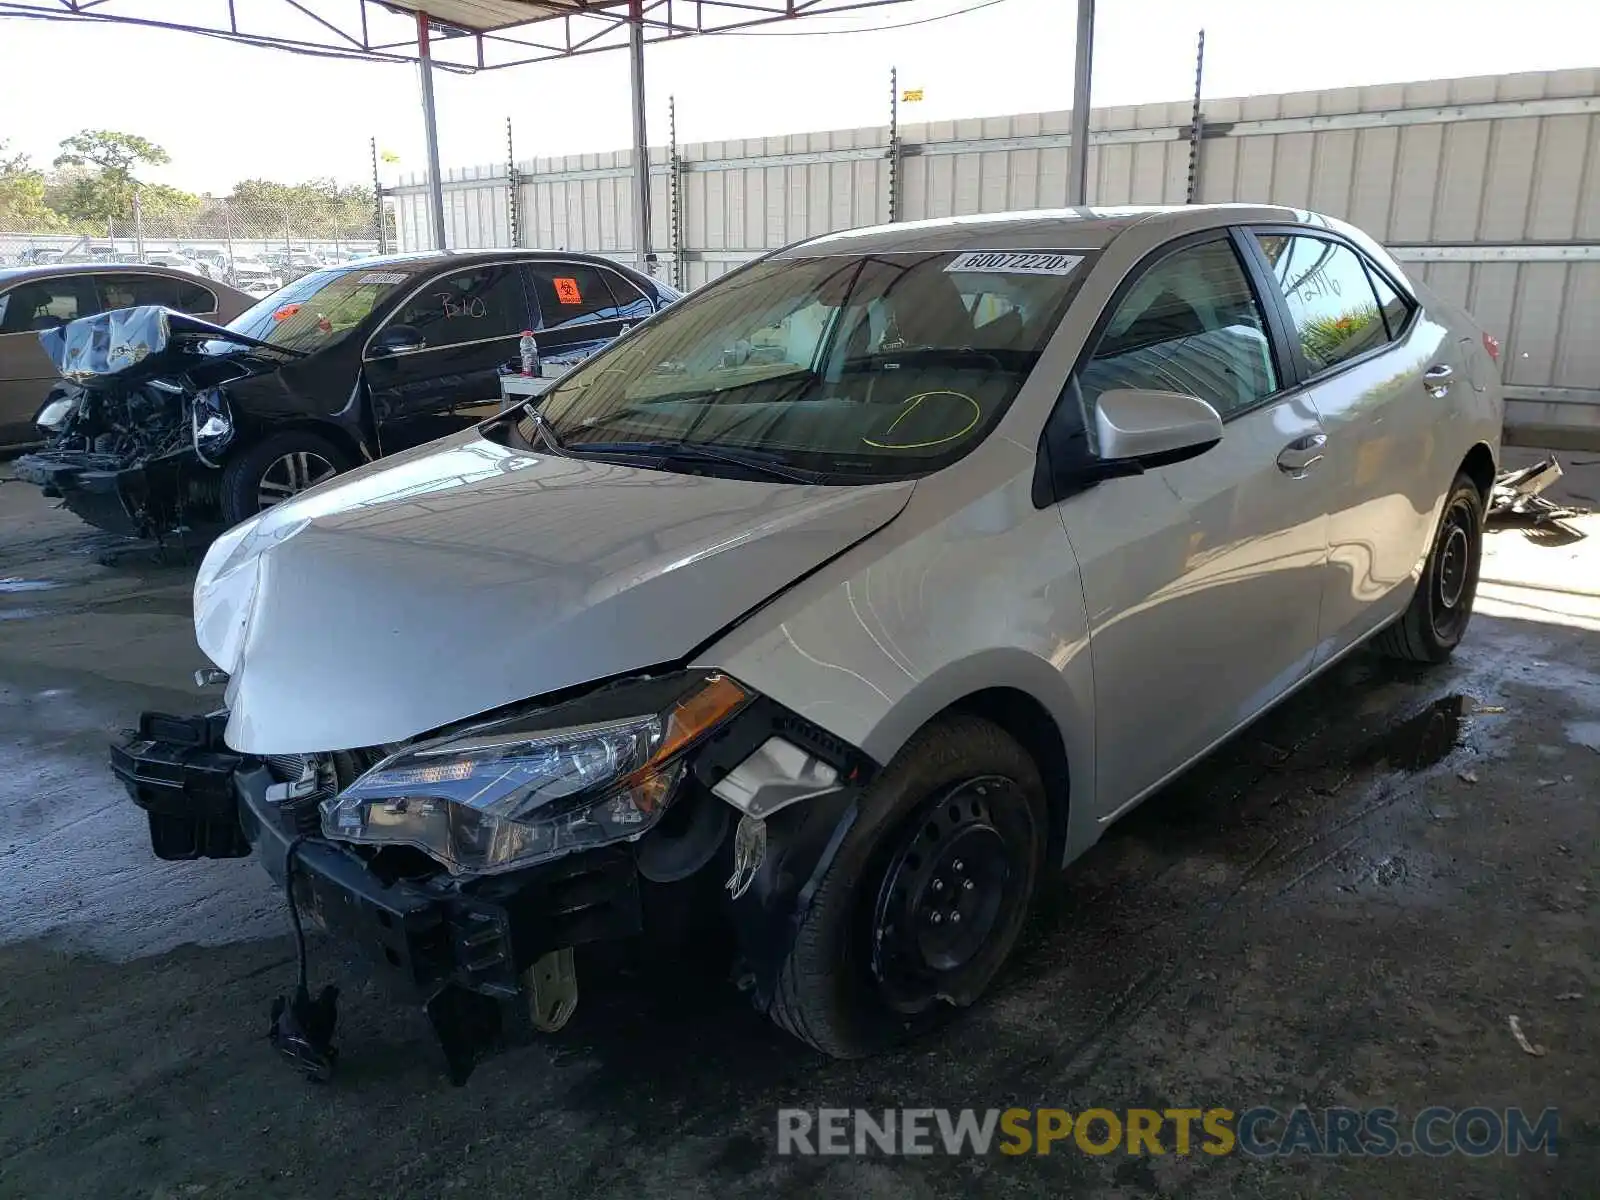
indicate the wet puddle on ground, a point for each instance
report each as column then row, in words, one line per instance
column 1419, row 741
column 12, row 584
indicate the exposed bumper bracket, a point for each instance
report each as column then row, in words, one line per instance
column 179, row 770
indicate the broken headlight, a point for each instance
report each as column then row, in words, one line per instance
column 53, row 417
column 211, row 425
column 520, row 791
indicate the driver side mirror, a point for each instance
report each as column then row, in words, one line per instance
column 1144, row 428
column 397, row 339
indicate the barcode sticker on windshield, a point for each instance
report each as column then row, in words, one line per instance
column 1015, row 262
column 382, row 277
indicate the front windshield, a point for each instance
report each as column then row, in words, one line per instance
column 881, row 364
column 318, row 310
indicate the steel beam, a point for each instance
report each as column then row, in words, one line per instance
column 430, row 131
column 641, row 141
column 1082, row 74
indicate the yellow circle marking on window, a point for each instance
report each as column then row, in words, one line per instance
column 912, row 403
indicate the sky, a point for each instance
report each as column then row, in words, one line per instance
column 226, row 112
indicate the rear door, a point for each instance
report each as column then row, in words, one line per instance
column 1380, row 374
column 26, row 373
column 469, row 320
column 580, row 311
column 1203, row 577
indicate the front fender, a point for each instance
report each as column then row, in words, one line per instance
column 970, row 589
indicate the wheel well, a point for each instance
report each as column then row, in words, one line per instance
column 1025, row 719
column 1479, row 464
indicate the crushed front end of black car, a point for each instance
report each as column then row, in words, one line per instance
column 134, row 434
column 431, row 890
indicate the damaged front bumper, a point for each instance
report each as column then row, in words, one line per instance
column 442, row 946
column 107, row 491
column 464, row 947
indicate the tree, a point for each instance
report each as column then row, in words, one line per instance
column 22, row 204
column 110, row 151
column 104, row 184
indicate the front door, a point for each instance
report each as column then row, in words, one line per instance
column 468, row 322
column 1202, row 578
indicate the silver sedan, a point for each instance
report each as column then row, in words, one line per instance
column 864, row 584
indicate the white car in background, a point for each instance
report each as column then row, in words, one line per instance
column 256, row 277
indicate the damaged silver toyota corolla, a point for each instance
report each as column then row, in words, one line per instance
column 850, row 592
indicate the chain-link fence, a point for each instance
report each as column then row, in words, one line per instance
column 256, row 244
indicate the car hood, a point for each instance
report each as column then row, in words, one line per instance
column 126, row 346
column 468, row 575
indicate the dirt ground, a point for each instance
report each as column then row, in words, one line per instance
column 1346, row 905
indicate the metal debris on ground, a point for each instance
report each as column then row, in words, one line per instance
column 1488, row 709
column 1528, row 1047
column 1570, row 996
column 1468, row 776
column 1516, row 498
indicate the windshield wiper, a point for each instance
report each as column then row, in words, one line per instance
column 546, row 431
column 758, row 462
column 647, row 406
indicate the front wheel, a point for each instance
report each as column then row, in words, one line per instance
column 1433, row 624
column 277, row 468
column 926, row 896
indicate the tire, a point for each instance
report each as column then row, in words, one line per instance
column 253, row 473
column 858, row 977
column 1433, row 623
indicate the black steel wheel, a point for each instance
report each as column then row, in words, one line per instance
column 1436, row 619
column 953, row 881
column 927, row 894
column 1454, row 572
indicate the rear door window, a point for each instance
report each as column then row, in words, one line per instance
column 1334, row 309
column 41, row 303
column 1192, row 324
column 468, row 306
column 127, row 290
column 572, row 294
column 631, row 303
column 194, row 298
column 1396, row 308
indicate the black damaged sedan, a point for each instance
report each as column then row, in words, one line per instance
column 169, row 423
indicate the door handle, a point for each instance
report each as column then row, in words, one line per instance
column 1300, row 455
column 1437, row 379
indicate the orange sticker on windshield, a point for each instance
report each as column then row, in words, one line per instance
column 287, row 311
column 567, row 290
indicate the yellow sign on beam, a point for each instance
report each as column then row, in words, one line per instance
column 911, row 95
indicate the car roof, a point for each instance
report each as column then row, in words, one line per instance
column 413, row 263
column 1037, row 229
column 418, row 261
column 15, row 274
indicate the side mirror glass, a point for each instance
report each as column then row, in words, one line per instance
column 1151, row 428
column 398, row 339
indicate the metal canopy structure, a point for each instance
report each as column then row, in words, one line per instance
column 459, row 35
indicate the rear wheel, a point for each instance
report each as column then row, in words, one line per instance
column 1434, row 622
column 926, row 896
column 275, row 469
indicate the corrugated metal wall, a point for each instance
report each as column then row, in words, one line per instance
column 1489, row 187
